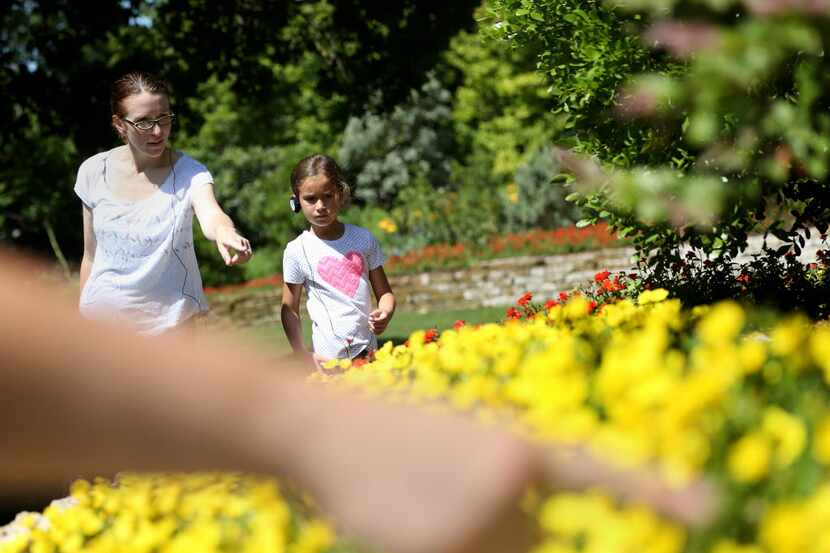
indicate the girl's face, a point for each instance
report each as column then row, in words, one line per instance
column 320, row 200
column 145, row 106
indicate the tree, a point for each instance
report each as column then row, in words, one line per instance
column 741, row 110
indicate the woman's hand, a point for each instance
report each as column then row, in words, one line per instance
column 233, row 248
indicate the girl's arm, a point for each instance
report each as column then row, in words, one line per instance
column 217, row 226
column 90, row 243
column 290, row 315
column 380, row 317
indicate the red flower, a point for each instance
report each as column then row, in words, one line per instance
column 609, row 286
column 430, row 335
column 551, row 303
column 458, row 324
column 743, row 277
column 513, row 313
column 525, row 299
column 601, row 276
column 591, row 306
column 563, row 296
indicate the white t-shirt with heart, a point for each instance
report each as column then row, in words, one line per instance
column 335, row 274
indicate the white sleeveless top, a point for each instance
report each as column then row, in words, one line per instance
column 145, row 269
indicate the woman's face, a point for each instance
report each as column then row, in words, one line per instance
column 145, row 106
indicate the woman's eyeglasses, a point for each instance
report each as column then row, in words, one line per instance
column 146, row 125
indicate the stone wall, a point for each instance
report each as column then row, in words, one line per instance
column 496, row 282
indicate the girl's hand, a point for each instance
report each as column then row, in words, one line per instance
column 378, row 321
column 233, row 248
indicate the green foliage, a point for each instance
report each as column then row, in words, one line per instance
column 385, row 153
column 718, row 144
column 358, row 47
column 424, row 216
column 25, row 209
column 587, row 50
column 501, row 110
column 534, row 201
column 44, row 128
column 780, row 282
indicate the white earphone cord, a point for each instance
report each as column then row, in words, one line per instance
column 347, row 341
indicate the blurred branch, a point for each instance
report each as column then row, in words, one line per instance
column 56, row 248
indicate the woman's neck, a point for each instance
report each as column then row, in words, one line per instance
column 141, row 163
column 330, row 232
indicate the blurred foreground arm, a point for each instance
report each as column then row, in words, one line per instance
column 84, row 399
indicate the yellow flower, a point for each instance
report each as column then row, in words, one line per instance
column 749, row 458
column 652, row 296
column 820, row 349
column 752, row 353
column 787, row 432
column 387, row 225
column 788, row 336
column 316, row 536
column 722, row 323
column 512, row 192
column 783, row 529
column 576, row 308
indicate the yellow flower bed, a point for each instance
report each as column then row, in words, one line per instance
column 694, row 391
column 171, row 513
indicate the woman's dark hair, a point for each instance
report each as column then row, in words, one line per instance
column 134, row 83
column 319, row 164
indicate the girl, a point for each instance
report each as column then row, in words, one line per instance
column 336, row 263
column 138, row 199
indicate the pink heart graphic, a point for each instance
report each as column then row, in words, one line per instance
column 343, row 273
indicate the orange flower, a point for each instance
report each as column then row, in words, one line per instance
column 525, row 299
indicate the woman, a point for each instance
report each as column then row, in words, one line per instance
column 139, row 264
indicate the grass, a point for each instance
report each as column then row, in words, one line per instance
column 403, row 324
